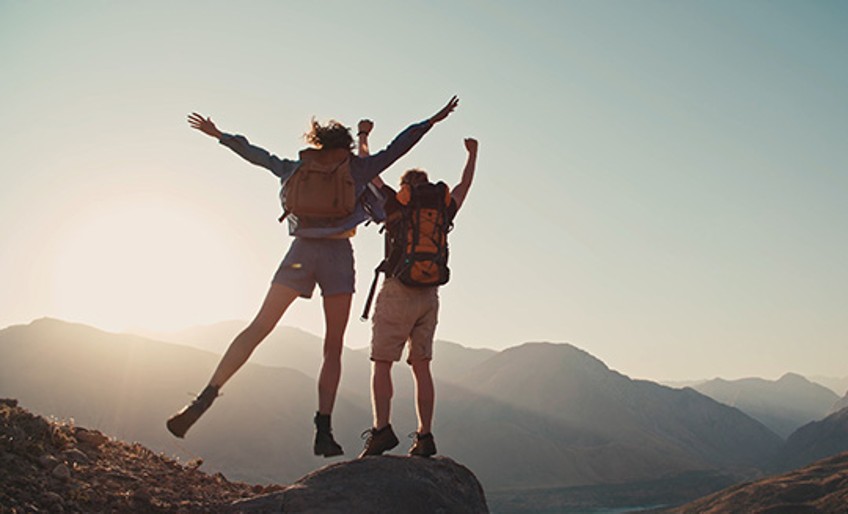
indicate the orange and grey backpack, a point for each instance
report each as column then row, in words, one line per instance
column 418, row 219
column 321, row 190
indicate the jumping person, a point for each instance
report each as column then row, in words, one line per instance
column 418, row 218
column 320, row 253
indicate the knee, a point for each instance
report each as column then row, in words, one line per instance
column 421, row 367
column 382, row 368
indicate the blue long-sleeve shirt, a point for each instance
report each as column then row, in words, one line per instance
column 363, row 170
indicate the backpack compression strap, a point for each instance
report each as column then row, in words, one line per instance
column 380, row 267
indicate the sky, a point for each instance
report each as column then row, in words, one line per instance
column 662, row 184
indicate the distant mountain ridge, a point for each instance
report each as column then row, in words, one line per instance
column 838, row 385
column 538, row 415
column 126, row 386
column 815, row 441
column 784, row 405
column 600, row 420
column 841, row 404
column 291, row 347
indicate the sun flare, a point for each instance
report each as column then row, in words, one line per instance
column 144, row 262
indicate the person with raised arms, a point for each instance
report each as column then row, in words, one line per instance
column 324, row 193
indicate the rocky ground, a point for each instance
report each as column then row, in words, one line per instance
column 48, row 466
column 388, row 483
column 821, row 487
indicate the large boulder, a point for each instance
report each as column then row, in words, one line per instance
column 378, row 484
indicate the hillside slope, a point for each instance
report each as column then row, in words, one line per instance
column 259, row 430
column 815, row 441
column 573, row 421
column 821, row 487
column 58, row 467
column 534, row 416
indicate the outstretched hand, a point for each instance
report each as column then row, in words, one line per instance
column 442, row 114
column 205, row 125
column 471, row 144
column 365, row 127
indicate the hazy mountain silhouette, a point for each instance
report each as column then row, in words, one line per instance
column 559, row 417
column 837, row 385
column 534, row 416
column 294, row 348
column 259, row 430
column 126, row 386
column 815, row 441
column 783, row 405
column 285, row 346
column 840, row 404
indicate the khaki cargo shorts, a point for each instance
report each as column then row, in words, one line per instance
column 401, row 314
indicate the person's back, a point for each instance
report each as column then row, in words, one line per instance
column 319, row 255
column 418, row 218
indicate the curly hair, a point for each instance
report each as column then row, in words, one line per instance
column 414, row 176
column 329, row 136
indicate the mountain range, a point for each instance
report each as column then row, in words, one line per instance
column 535, row 416
column 783, row 405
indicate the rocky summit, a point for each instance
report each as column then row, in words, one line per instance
column 48, row 466
column 387, row 483
column 57, row 467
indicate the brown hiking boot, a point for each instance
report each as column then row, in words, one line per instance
column 325, row 445
column 379, row 441
column 179, row 423
column 423, row 446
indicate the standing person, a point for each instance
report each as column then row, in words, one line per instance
column 418, row 218
column 320, row 253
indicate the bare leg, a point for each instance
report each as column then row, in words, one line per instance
column 381, row 392
column 276, row 302
column 425, row 395
column 336, row 314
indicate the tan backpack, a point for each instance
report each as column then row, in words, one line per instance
column 321, row 190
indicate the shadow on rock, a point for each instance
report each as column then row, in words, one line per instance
column 378, row 484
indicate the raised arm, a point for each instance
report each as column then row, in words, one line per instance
column 364, row 129
column 461, row 190
column 240, row 145
column 444, row 111
column 374, row 164
column 205, row 125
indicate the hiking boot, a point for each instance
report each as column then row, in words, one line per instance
column 179, row 423
column 423, row 445
column 379, row 441
column 324, row 443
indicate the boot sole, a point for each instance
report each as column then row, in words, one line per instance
column 328, row 453
column 175, row 429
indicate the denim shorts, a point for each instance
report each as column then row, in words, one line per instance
column 404, row 314
column 326, row 262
